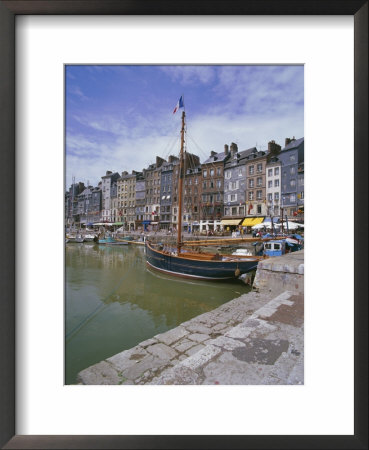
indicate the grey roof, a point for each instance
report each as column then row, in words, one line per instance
column 293, row 144
column 218, row 157
column 248, row 152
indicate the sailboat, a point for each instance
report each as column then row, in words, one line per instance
column 185, row 263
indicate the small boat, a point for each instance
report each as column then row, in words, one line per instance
column 280, row 247
column 90, row 237
column 80, row 238
column 109, row 240
column 188, row 263
column 242, row 252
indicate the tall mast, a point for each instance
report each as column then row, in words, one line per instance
column 180, row 188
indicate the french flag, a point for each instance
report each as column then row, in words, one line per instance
column 180, row 104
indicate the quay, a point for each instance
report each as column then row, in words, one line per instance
column 255, row 339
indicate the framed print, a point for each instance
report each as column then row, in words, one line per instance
column 38, row 40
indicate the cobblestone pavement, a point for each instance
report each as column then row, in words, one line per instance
column 254, row 339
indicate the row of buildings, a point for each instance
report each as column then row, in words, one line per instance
column 229, row 189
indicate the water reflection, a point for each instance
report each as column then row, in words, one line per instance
column 113, row 302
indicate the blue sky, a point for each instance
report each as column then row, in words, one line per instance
column 120, row 117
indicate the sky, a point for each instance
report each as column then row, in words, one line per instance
column 121, row 117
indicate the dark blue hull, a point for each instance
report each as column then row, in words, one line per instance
column 197, row 268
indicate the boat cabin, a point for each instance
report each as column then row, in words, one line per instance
column 275, row 248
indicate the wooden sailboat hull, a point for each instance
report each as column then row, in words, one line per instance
column 203, row 269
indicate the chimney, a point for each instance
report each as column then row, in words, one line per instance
column 287, row 141
column 109, row 172
column 159, row 161
column 212, row 153
column 226, row 149
column 172, row 158
column 273, row 147
column 124, row 173
column 234, row 148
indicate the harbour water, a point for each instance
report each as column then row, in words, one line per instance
column 113, row 302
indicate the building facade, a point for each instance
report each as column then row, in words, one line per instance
column 212, row 195
column 127, row 199
column 152, row 186
column 166, row 194
column 109, row 192
column 256, row 184
column 235, row 187
column 140, row 201
column 291, row 156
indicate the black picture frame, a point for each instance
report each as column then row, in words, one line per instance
column 8, row 12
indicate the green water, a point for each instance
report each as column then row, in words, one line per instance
column 113, row 302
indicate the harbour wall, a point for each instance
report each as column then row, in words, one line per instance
column 254, row 339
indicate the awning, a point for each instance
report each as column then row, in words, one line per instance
column 230, row 222
column 146, row 222
column 251, row 221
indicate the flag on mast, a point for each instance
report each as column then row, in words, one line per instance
column 180, row 104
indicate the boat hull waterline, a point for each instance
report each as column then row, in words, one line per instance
column 198, row 268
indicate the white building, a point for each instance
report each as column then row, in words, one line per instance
column 273, row 186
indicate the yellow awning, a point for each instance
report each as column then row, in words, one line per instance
column 230, row 222
column 251, row 221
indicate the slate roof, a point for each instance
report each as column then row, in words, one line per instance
column 293, row 144
column 216, row 158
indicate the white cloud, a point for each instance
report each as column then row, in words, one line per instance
column 190, row 74
column 90, row 159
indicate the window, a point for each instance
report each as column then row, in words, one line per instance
column 259, row 167
column 292, row 158
column 226, row 211
column 212, row 184
column 211, row 172
column 228, row 174
column 270, row 197
column 234, row 185
column 219, row 183
column 276, row 196
column 251, row 183
column 270, row 184
column 251, row 195
column 259, row 209
column 234, row 211
column 292, row 198
column 205, row 173
column 233, row 197
column 276, row 171
column 276, row 183
column 258, row 194
column 251, row 170
column 240, row 172
column 219, row 171
column 293, row 183
column 270, row 172
column 292, row 170
column 204, row 185
column 259, row 181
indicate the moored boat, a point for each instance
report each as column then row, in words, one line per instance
column 206, row 266
column 188, row 263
